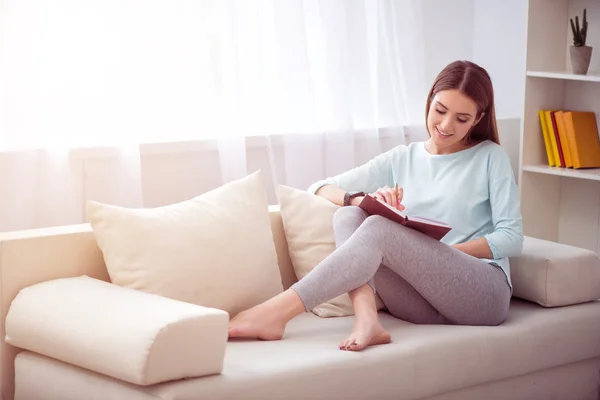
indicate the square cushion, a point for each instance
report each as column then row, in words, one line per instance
column 555, row 274
column 215, row 250
column 308, row 224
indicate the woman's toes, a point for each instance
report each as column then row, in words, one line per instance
column 357, row 346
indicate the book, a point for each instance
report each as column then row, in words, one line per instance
column 570, row 138
column 558, row 150
column 582, row 130
column 562, row 133
column 427, row 226
column 547, row 142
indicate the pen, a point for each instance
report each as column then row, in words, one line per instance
column 396, row 191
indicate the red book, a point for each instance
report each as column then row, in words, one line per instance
column 429, row 227
column 558, row 144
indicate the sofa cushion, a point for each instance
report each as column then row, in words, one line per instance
column 215, row 250
column 307, row 221
column 553, row 274
column 127, row 334
column 421, row 361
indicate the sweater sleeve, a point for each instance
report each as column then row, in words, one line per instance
column 367, row 177
column 507, row 238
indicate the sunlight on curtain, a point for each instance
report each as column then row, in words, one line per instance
column 323, row 80
column 95, row 73
column 322, row 73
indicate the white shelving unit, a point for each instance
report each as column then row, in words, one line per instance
column 558, row 204
column 564, row 75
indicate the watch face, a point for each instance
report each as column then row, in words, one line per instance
column 350, row 195
column 346, row 198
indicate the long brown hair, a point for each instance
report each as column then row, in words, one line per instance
column 473, row 81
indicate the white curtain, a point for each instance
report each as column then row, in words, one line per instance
column 146, row 102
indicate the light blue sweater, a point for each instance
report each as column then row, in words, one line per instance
column 473, row 190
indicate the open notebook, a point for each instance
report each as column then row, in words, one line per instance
column 430, row 227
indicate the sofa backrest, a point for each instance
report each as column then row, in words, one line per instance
column 34, row 256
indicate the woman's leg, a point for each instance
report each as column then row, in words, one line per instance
column 367, row 330
column 267, row 320
column 462, row 288
column 403, row 301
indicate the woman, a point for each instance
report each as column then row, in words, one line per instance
column 460, row 175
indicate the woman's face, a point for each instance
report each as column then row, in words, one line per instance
column 451, row 116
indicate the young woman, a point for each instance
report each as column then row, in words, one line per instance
column 460, row 175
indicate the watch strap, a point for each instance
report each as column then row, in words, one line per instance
column 350, row 195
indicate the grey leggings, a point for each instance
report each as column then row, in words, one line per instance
column 419, row 279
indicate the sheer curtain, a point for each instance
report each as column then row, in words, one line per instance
column 117, row 101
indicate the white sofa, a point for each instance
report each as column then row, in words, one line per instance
column 549, row 348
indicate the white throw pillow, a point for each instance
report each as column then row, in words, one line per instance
column 215, row 250
column 308, row 224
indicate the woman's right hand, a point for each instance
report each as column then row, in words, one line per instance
column 388, row 195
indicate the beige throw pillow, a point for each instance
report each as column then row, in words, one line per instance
column 215, row 250
column 308, row 224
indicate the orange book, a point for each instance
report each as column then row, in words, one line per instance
column 430, row 227
column 582, row 133
column 562, row 134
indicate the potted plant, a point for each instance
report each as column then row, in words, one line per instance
column 580, row 53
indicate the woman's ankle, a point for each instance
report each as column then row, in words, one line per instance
column 364, row 303
column 289, row 305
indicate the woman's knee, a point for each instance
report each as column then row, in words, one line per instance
column 379, row 223
column 501, row 313
column 495, row 314
column 352, row 212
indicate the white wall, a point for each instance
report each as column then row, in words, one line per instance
column 499, row 44
column 488, row 32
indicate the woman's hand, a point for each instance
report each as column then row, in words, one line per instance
column 391, row 196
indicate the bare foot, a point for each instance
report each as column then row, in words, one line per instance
column 365, row 333
column 267, row 321
column 256, row 323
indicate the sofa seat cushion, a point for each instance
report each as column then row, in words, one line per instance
column 555, row 274
column 423, row 360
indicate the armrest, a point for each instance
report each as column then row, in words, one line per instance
column 555, row 274
column 127, row 334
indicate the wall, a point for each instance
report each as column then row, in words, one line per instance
column 499, row 43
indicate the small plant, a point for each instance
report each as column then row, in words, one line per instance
column 579, row 33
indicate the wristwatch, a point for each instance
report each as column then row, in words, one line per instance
column 350, row 195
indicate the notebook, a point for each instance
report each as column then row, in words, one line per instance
column 430, row 227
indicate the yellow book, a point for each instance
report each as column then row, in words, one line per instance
column 547, row 143
column 560, row 124
column 582, row 133
column 549, row 125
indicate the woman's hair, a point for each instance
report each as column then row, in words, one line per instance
column 473, row 81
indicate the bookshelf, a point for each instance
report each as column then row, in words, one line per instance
column 564, row 75
column 558, row 204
